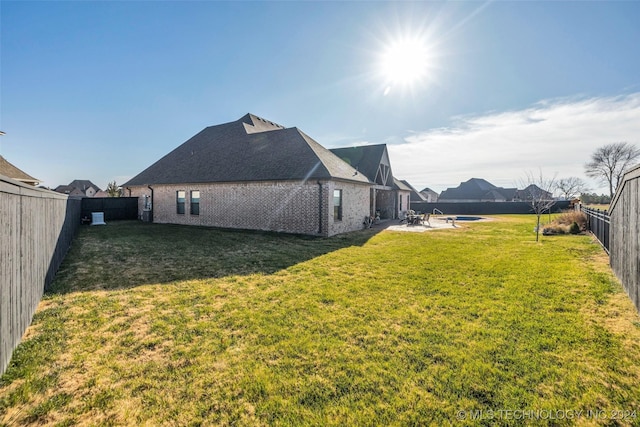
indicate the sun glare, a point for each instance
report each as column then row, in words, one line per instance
column 405, row 62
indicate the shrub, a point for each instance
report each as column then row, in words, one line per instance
column 570, row 217
column 555, row 228
column 574, row 228
column 567, row 222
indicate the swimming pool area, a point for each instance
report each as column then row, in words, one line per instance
column 460, row 218
column 467, row 218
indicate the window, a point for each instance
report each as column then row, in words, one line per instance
column 195, row 203
column 400, row 199
column 337, row 205
column 180, row 196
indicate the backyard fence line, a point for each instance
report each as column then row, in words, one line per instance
column 599, row 223
column 114, row 208
column 483, row 208
column 624, row 254
column 36, row 230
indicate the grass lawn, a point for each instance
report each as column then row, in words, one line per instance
column 167, row 325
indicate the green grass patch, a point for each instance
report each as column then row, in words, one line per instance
column 160, row 324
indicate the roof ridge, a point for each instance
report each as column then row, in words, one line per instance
column 255, row 124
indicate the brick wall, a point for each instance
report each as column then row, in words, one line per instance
column 291, row 207
column 355, row 206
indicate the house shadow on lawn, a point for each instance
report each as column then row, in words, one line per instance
column 126, row 254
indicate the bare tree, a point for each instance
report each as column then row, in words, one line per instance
column 609, row 162
column 571, row 187
column 538, row 192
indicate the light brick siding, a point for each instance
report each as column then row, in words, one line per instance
column 355, row 206
column 291, row 207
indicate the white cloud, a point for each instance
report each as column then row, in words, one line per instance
column 555, row 136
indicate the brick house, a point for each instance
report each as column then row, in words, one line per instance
column 253, row 174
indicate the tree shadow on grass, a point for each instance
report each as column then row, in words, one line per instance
column 127, row 254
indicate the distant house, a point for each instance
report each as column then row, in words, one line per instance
column 81, row 188
column 478, row 190
column 429, row 195
column 10, row 171
column 532, row 192
column 254, row 174
column 389, row 197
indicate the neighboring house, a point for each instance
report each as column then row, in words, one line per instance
column 10, row 171
column 373, row 162
column 253, row 174
column 80, row 188
column 478, row 190
column 533, row 192
column 429, row 195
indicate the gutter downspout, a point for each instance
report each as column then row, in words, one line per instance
column 151, row 212
column 319, row 207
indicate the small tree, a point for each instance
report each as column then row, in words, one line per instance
column 608, row 163
column 571, row 187
column 114, row 190
column 538, row 192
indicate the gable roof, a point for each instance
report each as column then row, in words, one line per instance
column 248, row 149
column 427, row 190
column 401, row 185
column 11, row 171
column 416, row 196
column 69, row 190
column 474, row 188
column 371, row 160
column 83, row 185
column 533, row 192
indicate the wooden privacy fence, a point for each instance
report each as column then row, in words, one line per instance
column 599, row 223
column 624, row 251
column 36, row 230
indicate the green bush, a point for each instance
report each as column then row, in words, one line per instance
column 574, row 228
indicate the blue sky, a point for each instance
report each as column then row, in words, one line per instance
column 101, row 90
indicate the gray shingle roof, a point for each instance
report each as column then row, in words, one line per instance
column 401, row 185
column 249, row 149
column 366, row 158
column 83, row 184
column 416, row 196
column 478, row 189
